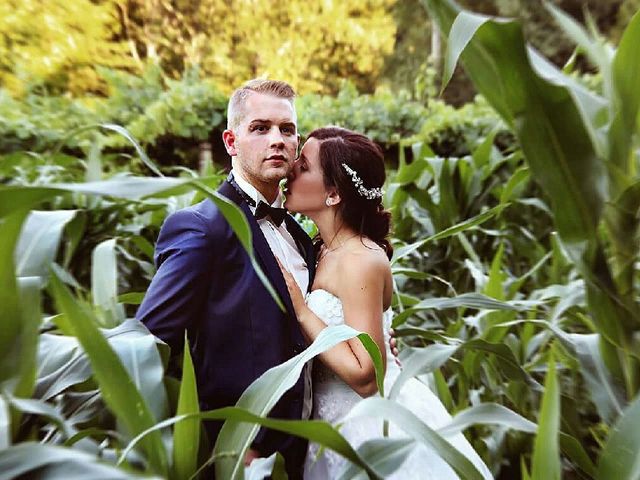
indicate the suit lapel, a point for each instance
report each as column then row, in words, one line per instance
column 265, row 256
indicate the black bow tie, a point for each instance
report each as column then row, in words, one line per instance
column 265, row 210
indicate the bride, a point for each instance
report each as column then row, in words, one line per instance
column 337, row 182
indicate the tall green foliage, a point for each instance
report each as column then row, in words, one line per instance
column 580, row 148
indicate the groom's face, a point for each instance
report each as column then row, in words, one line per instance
column 265, row 142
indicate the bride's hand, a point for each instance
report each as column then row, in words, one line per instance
column 294, row 290
column 393, row 346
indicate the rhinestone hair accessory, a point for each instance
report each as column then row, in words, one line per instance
column 368, row 193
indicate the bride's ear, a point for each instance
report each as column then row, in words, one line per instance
column 333, row 199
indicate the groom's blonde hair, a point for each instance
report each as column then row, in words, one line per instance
column 276, row 88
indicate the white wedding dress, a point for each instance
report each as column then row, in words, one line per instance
column 333, row 399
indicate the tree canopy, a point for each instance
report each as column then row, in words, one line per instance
column 61, row 45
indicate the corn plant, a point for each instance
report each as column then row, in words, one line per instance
column 581, row 148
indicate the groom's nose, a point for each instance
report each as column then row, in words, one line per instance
column 275, row 138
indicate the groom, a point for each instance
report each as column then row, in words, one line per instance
column 205, row 282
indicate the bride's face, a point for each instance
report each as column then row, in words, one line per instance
column 306, row 192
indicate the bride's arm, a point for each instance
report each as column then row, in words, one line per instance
column 361, row 292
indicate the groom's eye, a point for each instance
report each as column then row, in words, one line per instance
column 259, row 128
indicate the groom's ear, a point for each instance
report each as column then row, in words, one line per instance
column 229, row 139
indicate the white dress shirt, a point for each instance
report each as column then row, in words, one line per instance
column 284, row 247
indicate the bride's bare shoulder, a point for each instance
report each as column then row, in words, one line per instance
column 364, row 258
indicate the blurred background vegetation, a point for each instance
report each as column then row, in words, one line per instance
column 163, row 69
column 488, row 267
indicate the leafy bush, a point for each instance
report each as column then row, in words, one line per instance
column 386, row 117
column 172, row 117
column 38, row 122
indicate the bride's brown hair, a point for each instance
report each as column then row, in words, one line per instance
column 366, row 216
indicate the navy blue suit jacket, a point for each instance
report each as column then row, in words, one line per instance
column 205, row 284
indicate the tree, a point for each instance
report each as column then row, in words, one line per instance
column 313, row 45
column 58, row 44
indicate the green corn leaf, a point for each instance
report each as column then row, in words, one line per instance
column 62, row 363
column 382, row 408
column 271, row 467
column 520, row 176
column 507, row 362
column 574, row 450
column 316, row 431
column 260, row 397
column 620, row 457
column 483, row 152
column 11, row 313
column 34, row 460
column 118, row 389
column 104, row 282
column 442, row 390
column 39, row 241
column 423, row 333
column 595, row 50
column 131, row 298
column 462, row 31
column 43, row 409
column 114, row 128
column 460, row 227
column 240, row 226
column 626, row 71
column 5, row 424
column 384, row 455
column 136, row 188
column 487, row 414
column 605, row 393
column 27, row 341
column 494, row 287
column 186, row 434
column 543, row 114
column 422, row 360
column 139, row 150
column 546, row 451
column 13, row 198
column 467, row 300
